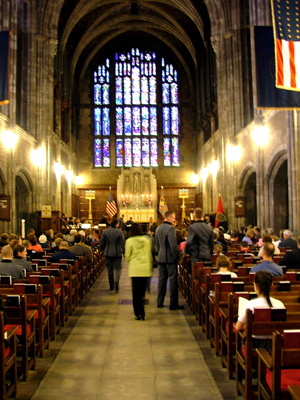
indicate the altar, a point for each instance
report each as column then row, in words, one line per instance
column 139, row 214
column 137, row 194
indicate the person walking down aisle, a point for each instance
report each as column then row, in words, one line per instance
column 112, row 243
column 138, row 254
column 200, row 240
column 167, row 259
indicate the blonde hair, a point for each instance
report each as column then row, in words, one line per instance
column 218, row 249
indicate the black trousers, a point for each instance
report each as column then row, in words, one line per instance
column 138, row 293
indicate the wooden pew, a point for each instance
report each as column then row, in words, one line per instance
column 229, row 315
column 245, row 359
column 8, row 360
column 49, row 290
column 62, row 284
column 216, row 302
column 19, row 317
column 277, row 371
column 36, row 301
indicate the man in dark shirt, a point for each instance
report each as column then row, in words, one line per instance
column 7, row 266
column 167, row 259
column 288, row 241
column 200, row 240
column 63, row 253
column 291, row 259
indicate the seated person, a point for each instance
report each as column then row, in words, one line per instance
column 268, row 239
column 33, row 243
column 245, row 248
column 287, row 241
column 224, row 265
column 218, row 250
column 249, row 237
column 79, row 250
column 8, row 267
column 268, row 264
column 20, row 255
column 291, row 259
column 262, row 287
column 43, row 242
column 63, row 253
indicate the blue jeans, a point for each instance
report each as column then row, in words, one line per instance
column 166, row 271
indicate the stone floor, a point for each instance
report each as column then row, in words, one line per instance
column 104, row 353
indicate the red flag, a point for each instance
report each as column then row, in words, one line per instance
column 111, row 208
column 220, row 214
column 287, row 44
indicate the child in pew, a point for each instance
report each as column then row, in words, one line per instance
column 262, row 287
column 218, row 250
column 224, row 265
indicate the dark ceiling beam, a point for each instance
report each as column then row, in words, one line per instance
column 132, row 24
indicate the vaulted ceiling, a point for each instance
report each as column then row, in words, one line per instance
column 87, row 27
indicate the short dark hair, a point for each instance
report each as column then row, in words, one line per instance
column 135, row 230
column 18, row 249
column 198, row 212
column 245, row 243
column 169, row 213
column 77, row 238
column 114, row 222
column 267, row 239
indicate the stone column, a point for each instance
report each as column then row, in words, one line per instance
column 293, row 132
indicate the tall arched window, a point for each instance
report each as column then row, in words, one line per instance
column 132, row 105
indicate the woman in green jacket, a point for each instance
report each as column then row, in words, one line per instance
column 138, row 254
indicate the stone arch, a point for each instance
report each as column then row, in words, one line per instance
column 278, row 194
column 247, row 186
column 248, row 170
column 24, row 201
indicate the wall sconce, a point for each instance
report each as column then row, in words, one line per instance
column 79, row 180
column 58, row 169
column 204, row 174
column 9, row 139
column 69, row 175
column 214, row 167
column 38, row 157
column 234, row 153
column 194, row 179
column 260, row 135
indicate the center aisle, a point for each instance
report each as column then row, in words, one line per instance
column 110, row 355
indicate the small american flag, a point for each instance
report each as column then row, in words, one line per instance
column 111, row 208
column 286, row 25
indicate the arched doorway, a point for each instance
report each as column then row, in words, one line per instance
column 23, row 193
column 280, row 196
column 250, row 200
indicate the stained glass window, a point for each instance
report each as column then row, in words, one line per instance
column 136, row 112
column 102, row 115
column 135, row 89
column 170, row 114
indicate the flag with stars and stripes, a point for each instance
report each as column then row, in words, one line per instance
column 286, row 25
column 111, row 208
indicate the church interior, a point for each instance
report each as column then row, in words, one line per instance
column 146, row 103
column 101, row 90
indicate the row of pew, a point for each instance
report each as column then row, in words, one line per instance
column 36, row 308
column 214, row 299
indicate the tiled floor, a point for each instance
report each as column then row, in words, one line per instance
column 105, row 353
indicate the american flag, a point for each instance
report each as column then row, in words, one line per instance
column 111, row 208
column 286, row 24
